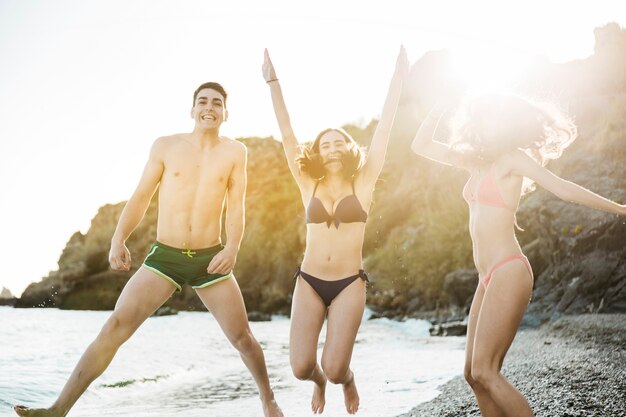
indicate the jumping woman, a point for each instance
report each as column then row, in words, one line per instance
column 336, row 183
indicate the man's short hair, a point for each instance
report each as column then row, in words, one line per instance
column 213, row 86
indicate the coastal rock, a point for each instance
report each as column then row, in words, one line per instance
column 258, row 316
column 453, row 328
column 6, row 297
column 413, row 305
column 381, row 299
column 84, row 280
column 165, row 311
column 577, row 254
column 460, row 287
column 399, row 301
column 41, row 294
column 5, row 293
column 417, row 248
column 266, row 261
column 592, row 279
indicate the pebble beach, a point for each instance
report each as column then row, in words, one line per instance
column 574, row 366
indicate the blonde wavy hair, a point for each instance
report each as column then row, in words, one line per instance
column 489, row 126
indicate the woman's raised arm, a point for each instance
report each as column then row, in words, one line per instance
column 290, row 143
column 424, row 143
column 378, row 148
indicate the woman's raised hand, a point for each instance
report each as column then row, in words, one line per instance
column 269, row 73
column 402, row 63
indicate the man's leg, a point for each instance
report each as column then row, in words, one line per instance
column 225, row 302
column 142, row 295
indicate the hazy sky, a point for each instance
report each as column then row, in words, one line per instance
column 86, row 86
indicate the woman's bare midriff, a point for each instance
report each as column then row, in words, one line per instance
column 492, row 231
column 333, row 253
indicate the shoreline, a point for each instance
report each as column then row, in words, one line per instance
column 140, row 380
column 573, row 366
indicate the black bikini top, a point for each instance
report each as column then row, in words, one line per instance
column 348, row 210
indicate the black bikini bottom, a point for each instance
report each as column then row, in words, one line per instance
column 328, row 290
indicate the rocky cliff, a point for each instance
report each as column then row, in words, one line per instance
column 578, row 254
column 417, row 249
column 268, row 256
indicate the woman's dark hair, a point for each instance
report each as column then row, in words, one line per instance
column 310, row 161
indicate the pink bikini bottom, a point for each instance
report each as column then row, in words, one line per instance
column 485, row 280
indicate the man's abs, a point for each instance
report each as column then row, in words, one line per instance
column 191, row 197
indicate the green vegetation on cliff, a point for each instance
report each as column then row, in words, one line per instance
column 417, row 228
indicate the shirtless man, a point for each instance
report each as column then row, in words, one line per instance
column 194, row 173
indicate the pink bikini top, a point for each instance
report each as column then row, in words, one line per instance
column 487, row 192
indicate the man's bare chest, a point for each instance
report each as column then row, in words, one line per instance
column 199, row 167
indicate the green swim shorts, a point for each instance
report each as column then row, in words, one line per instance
column 184, row 266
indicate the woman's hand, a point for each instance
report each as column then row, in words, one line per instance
column 402, row 64
column 269, row 73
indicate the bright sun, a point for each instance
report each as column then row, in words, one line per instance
column 488, row 70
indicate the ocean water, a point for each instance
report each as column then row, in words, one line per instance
column 183, row 365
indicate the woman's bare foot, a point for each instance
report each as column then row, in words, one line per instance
column 319, row 397
column 39, row 412
column 351, row 396
column 271, row 408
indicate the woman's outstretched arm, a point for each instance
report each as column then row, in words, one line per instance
column 521, row 164
column 378, row 148
column 424, row 143
column 290, row 143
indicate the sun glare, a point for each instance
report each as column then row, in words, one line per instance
column 488, row 70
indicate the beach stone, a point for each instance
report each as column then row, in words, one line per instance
column 534, row 320
column 374, row 316
column 165, row 311
column 454, row 328
column 572, row 366
column 435, row 330
column 259, row 316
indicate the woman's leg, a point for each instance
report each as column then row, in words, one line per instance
column 142, row 295
column 307, row 318
column 487, row 406
column 344, row 318
column 501, row 312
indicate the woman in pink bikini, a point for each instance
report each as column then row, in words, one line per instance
column 336, row 184
column 503, row 141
